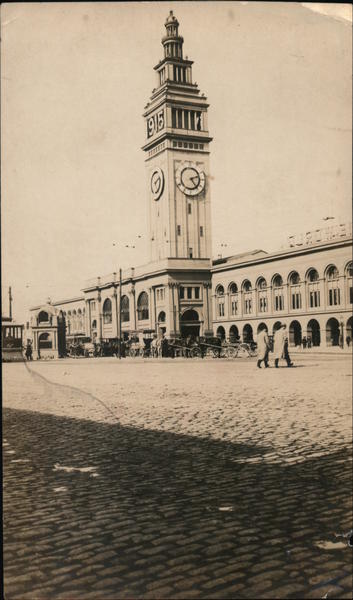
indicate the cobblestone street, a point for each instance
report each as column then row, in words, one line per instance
column 177, row 479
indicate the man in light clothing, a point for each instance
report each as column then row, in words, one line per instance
column 280, row 346
column 263, row 348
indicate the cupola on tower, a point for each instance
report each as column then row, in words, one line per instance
column 177, row 157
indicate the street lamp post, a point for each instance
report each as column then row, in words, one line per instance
column 120, row 284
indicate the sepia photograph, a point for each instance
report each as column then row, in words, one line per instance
column 176, row 216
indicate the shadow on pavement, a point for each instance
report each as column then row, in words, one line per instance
column 103, row 511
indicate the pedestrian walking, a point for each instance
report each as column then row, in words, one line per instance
column 280, row 346
column 164, row 347
column 263, row 348
column 309, row 342
column 304, row 342
column 348, row 340
column 29, row 352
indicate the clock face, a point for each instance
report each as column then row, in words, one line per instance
column 157, row 183
column 190, row 179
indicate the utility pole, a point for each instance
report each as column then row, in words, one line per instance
column 10, row 303
column 120, row 285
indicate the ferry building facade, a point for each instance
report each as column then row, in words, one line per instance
column 181, row 291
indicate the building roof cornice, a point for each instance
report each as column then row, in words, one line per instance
column 231, row 262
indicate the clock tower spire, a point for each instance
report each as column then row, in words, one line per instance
column 177, row 157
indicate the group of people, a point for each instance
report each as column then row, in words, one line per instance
column 306, row 342
column 280, row 347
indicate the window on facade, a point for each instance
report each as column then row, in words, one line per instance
column 189, row 208
column 247, row 294
column 349, row 275
column 186, row 119
column 107, row 311
column 142, row 307
column 295, row 291
column 233, row 298
column 93, row 305
column 201, row 231
column 278, row 297
column 160, row 294
column 189, row 293
column 333, row 286
column 125, row 310
column 220, row 298
column 190, row 252
column 262, row 295
column 179, row 229
column 43, row 317
column 181, row 292
column 313, row 288
column 197, row 293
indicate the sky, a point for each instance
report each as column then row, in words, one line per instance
column 75, row 80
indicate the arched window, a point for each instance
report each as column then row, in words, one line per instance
column 43, row 317
column 278, row 297
column 161, row 317
column 333, row 290
column 349, row 274
column 125, row 310
column 220, row 299
column 221, row 332
column 262, row 301
column 233, row 334
column 45, row 341
column 295, row 291
column 313, row 288
column 94, row 324
column 233, row 298
column 247, row 297
column 248, row 333
column 142, row 307
column 107, row 311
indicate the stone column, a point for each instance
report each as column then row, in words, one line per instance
column 226, row 305
column 115, row 313
column 177, row 308
column 99, row 317
column 207, row 309
column 323, row 291
column 87, row 318
column 132, row 304
column 170, row 317
column 151, row 308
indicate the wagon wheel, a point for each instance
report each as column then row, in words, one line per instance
column 132, row 352
column 195, row 353
column 210, row 353
column 231, row 352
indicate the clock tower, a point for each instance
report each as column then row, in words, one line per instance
column 177, row 157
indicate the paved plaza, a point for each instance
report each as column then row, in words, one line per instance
column 179, row 478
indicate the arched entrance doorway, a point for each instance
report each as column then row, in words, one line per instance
column 44, row 341
column 233, row 334
column 348, row 339
column 295, row 333
column 247, row 333
column 189, row 324
column 221, row 332
column 276, row 326
column 261, row 327
column 313, row 332
column 332, row 332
